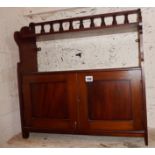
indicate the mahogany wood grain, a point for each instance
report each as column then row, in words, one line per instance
column 114, row 107
column 27, row 52
column 107, row 101
column 63, row 102
column 50, row 101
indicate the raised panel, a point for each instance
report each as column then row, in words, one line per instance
column 109, row 100
column 50, row 100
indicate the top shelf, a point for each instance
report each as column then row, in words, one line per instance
column 83, row 26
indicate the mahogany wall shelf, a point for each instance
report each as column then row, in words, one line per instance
column 104, row 101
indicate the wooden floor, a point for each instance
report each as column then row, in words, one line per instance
column 74, row 141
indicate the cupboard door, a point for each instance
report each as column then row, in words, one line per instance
column 50, row 101
column 110, row 100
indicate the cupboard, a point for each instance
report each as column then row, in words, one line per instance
column 97, row 101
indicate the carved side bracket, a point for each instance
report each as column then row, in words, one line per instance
column 27, row 50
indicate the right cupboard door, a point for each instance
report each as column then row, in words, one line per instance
column 110, row 101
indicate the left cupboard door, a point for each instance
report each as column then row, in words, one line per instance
column 49, row 102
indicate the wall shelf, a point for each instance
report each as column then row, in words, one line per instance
column 98, row 102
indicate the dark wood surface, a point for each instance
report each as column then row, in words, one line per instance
column 60, row 101
column 114, row 103
column 50, row 101
column 107, row 101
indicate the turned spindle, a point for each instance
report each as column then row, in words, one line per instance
column 81, row 24
column 71, row 25
column 126, row 20
column 92, row 22
column 42, row 28
column 61, row 26
column 103, row 21
column 114, row 20
column 51, row 27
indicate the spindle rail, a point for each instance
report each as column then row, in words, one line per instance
column 81, row 27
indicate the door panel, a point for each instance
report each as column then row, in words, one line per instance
column 111, row 100
column 50, row 101
column 116, row 105
column 46, row 97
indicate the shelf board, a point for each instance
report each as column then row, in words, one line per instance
column 84, row 70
